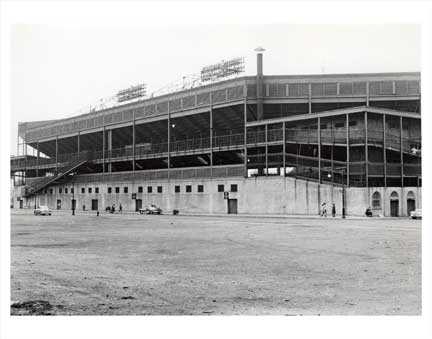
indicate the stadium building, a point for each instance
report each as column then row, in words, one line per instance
column 264, row 144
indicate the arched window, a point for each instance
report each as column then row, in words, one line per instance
column 411, row 195
column 376, row 201
column 394, row 196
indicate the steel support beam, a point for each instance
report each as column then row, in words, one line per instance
column 133, row 141
column 284, row 148
column 168, row 142
column 37, row 159
column 103, row 149
column 385, row 150
column 319, row 148
column 266, row 149
column 245, row 138
column 56, row 153
column 347, row 150
column 366, row 149
column 401, row 152
column 211, row 139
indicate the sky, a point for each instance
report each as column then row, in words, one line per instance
column 59, row 71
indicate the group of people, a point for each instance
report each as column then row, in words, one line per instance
column 324, row 210
column 112, row 208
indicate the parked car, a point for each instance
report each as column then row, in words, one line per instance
column 150, row 209
column 416, row 214
column 42, row 210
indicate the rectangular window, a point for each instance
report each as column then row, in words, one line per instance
column 140, row 189
column 97, row 190
column 66, row 190
column 339, row 124
column 353, row 123
column 234, row 188
column 200, row 188
column 149, row 189
column 51, row 191
column 177, row 189
column 89, row 189
column 221, row 188
column 323, row 126
column 72, row 190
column 188, row 188
column 60, row 190
column 159, row 189
column 125, row 189
column 82, row 190
column 109, row 189
column 117, row 190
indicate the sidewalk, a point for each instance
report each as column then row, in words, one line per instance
column 189, row 214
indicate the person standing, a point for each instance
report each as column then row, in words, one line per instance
column 333, row 210
column 120, row 208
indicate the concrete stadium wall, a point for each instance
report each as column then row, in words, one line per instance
column 260, row 195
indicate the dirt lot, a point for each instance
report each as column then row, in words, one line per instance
column 180, row 265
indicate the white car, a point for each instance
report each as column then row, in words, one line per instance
column 151, row 209
column 416, row 214
column 42, row 210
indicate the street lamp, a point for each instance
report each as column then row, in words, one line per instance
column 342, row 171
column 73, row 192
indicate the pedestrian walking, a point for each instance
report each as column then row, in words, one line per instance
column 113, row 208
column 120, row 208
column 333, row 210
column 323, row 210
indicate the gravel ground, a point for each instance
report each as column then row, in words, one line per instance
column 201, row 265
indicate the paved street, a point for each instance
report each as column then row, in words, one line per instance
column 211, row 265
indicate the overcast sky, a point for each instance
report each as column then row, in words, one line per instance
column 57, row 71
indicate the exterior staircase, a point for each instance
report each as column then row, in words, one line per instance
column 71, row 165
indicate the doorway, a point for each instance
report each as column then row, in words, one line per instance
column 21, row 203
column 410, row 202
column 59, row 204
column 73, row 204
column 394, row 204
column 138, row 204
column 232, row 206
column 94, row 205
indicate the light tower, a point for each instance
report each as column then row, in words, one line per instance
column 260, row 83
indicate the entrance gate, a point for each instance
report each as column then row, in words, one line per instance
column 410, row 202
column 232, row 206
column 394, row 204
column 94, row 205
column 138, row 204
